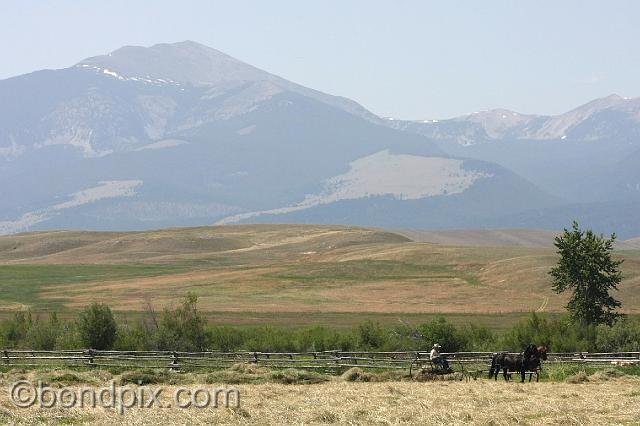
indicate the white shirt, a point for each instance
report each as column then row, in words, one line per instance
column 434, row 354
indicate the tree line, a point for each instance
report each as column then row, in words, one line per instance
column 185, row 329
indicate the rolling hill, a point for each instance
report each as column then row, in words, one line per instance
column 483, row 237
column 633, row 243
column 290, row 274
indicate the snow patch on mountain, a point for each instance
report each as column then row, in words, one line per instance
column 403, row 176
column 114, row 74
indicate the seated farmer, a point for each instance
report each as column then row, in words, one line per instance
column 437, row 359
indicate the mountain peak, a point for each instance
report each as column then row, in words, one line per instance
column 187, row 44
column 498, row 113
column 183, row 62
column 180, row 48
column 614, row 97
column 497, row 122
column 606, row 101
column 596, row 105
column 189, row 62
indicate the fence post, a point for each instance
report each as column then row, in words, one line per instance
column 174, row 362
column 6, row 356
column 89, row 354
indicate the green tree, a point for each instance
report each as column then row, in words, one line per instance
column 43, row 334
column 440, row 331
column 183, row 328
column 587, row 267
column 371, row 335
column 97, row 326
column 14, row 331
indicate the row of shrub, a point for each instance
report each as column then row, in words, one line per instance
column 184, row 328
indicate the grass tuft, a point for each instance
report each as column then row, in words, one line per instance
column 607, row 374
column 326, row 417
column 292, row 376
column 247, row 368
column 577, row 378
column 144, row 377
column 356, row 374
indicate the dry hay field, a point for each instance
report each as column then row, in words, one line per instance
column 257, row 273
column 599, row 400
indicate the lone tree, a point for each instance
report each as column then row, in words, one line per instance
column 97, row 326
column 183, row 328
column 586, row 265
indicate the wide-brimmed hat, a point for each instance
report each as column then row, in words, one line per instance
column 435, row 345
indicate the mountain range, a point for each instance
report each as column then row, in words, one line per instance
column 182, row 134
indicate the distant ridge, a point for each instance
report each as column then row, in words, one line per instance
column 483, row 237
column 633, row 243
column 587, row 122
column 536, row 238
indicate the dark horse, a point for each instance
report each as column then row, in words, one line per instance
column 529, row 360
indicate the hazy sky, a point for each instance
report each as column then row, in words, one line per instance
column 406, row 59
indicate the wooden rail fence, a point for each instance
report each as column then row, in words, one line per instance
column 325, row 360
